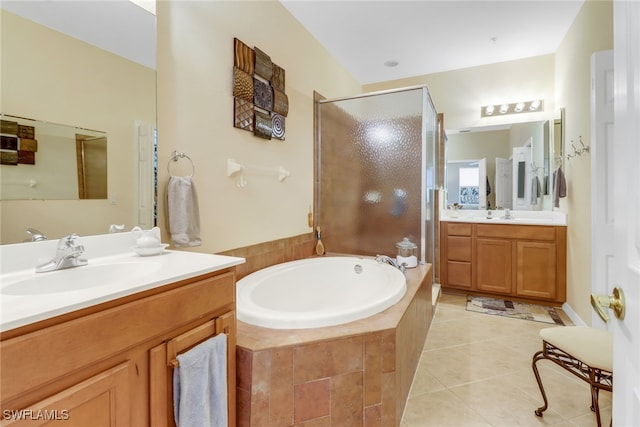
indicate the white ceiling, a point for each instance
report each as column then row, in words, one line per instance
column 426, row 36
column 423, row 36
column 117, row 26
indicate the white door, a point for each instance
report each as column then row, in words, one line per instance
column 522, row 177
column 482, row 181
column 504, row 183
column 146, row 184
column 626, row 351
column 602, row 167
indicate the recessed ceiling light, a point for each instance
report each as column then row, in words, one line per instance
column 391, row 63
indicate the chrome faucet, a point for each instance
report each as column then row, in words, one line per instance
column 67, row 255
column 507, row 214
column 386, row 259
column 36, row 236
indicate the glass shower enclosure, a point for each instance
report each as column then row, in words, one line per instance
column 375, row 169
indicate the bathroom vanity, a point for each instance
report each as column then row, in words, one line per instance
column 523, row 257
column 111, row 363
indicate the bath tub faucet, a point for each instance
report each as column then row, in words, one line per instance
column 67, row 256
column 386, row 259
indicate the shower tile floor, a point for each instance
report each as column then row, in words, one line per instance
column 475, row 370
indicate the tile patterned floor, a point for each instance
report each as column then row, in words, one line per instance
column 475, row 370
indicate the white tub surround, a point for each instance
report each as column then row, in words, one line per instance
column 114, row 270
column 318, row 292
column 497, row 217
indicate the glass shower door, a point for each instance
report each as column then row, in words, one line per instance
column 376, row 172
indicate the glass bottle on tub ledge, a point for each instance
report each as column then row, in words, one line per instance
column 407, row 253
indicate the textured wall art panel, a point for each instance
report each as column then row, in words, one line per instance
column 262, row 95
column 242, row 85
column 277, row 126
column 277, row 81
column 264, row 66
column 263, row 125
column 244, row 57
column 260, row 101
column 280, row 102
column 243, row 115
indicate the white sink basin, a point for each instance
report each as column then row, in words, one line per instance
column 79, row 278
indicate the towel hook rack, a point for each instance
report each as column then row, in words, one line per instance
column 175, row 156
column 578, row 151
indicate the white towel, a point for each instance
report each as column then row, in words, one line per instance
column 183, row 215
column 535, row 190
column 200, row 385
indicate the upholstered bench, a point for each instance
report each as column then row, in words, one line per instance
column 585, row 352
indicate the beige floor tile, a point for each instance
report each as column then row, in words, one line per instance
column 423, row 381
column 476, row 370
column 440, row 409
column 503, row 406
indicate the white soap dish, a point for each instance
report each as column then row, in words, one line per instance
column 150, row 250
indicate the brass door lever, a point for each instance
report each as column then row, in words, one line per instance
column 615, row 302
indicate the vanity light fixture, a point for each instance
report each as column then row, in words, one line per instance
column 513, row 108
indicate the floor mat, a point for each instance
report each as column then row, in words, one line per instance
column 515, row 310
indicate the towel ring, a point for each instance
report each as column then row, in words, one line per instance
column 175, row 156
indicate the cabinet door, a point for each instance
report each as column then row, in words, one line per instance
column 494, row 266
column 162, row 360
column 100, row 401
column 536, row 269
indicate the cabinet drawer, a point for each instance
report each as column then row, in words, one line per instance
column 505, row 231
column 71, row 345
column 458, row 229
column 459, row 274
column 459, row 248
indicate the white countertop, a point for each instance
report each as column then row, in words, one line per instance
column 551, row 218
column 142, row 273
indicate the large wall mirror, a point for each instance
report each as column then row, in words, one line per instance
column 89, row 66
column 507, row 166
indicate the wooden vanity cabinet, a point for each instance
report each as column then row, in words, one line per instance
column 99, row 366
column 524, row 261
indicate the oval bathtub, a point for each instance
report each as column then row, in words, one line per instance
column 317, row 292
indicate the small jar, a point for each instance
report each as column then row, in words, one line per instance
column 407, row 253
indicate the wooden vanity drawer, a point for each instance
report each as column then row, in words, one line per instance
column 504, row 231
column 459, row 248
column 72, row 345
column 458, row 229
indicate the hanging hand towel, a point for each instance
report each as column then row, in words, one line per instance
column 183, row 215
column 559, row 187
column 200, row 385
column 535, row 190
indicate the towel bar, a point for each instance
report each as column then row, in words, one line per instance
column 175, row 156
column 193, row 337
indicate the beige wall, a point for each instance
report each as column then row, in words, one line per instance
column 592, row 31
column 459, row 94
column 195, row 116
column 44, row 77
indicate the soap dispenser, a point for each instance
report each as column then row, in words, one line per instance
column 407, row 253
